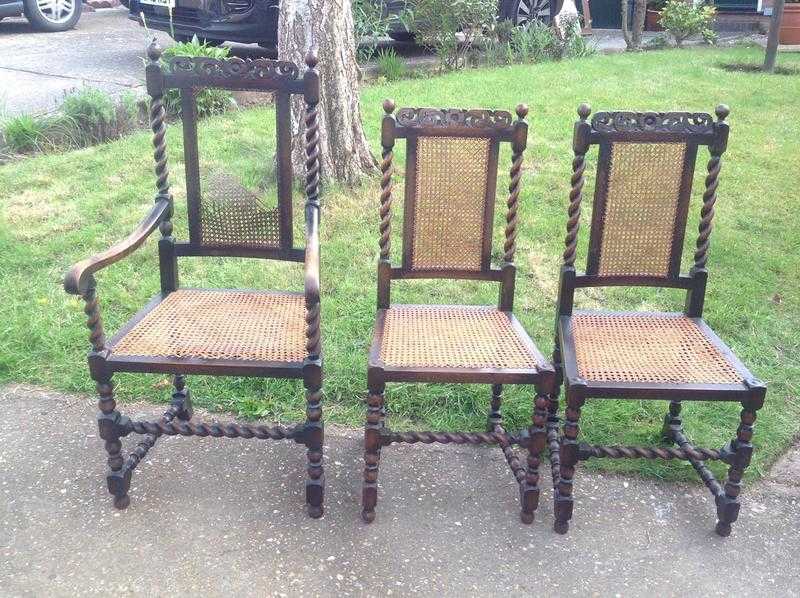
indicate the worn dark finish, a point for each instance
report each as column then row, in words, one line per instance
column 450, row 188
column 283, row 328
column 644, row 177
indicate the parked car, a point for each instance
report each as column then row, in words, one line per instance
column 212, row 21
column 256, row 21
column 44, row 15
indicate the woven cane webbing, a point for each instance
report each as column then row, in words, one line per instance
column 233, row 215
column 221, row 324
column 644, row 184
column 666, row 348
column 454, row 337
column 449, row 205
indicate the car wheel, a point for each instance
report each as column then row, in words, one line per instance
column 522, row 12
column 401, row 36
column 53, row 15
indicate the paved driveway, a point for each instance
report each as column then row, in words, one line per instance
column 105, row 50
column 226, row 518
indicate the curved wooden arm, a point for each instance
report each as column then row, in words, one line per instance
column 77, row 279
column 312, row 281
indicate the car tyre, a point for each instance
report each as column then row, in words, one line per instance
column 522, row 12
column 53, row 15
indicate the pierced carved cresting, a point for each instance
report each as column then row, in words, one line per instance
column 436, row 117
column 646, row 122
column 232, row 69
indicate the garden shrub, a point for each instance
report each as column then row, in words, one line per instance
column 682, row 20
column 209, row 101
column 92, row 113
column 534, row 42
column 370, row 21
column 391, row 66
column 436, row 24
column 24, row 133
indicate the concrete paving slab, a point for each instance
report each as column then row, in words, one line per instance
column 226, row 517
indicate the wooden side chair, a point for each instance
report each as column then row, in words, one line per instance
column 451, row 176
column 216, row 332
column 645, row 167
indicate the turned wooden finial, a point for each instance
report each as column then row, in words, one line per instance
column 388, row 106
column 722, row 111
column 311, row 59
column 584, row 110
column 522, row 110
column 154, row 50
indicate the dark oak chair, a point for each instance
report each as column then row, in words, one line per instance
column 451, row 176
column 645, row 167
column 216, row 332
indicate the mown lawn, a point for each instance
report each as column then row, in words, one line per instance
column 57, row 209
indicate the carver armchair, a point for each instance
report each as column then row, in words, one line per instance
column 645, row 168
column 216, row 332
column 451, row 177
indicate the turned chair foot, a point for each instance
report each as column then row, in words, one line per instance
column 122, row 502
column 561, row 527
column 367, row 516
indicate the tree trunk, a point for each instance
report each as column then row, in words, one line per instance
column 326, row 28
column 639, row 13
column 772, row 40
column 625, row 33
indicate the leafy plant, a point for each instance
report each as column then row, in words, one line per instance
column 437, row 23
column 92, row 112
column 209, row 101
column 391, row 66
column 24, row 133
column 534, row 42
column 682, row 20
column 370, row 20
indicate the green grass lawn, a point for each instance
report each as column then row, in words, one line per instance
column 57, row 209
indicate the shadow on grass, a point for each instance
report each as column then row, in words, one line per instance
column 747, row 67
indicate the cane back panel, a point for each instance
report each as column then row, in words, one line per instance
column 224, row 213
column 451, row 180
column 644, row 182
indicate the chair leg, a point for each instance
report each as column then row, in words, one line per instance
column 182, row 399
column 568, row 456
column 372, row 451
column 672, row 422
column 110, row 423
column 529, row 489
column 742, row 450
column 495, row 417
column 314, row 438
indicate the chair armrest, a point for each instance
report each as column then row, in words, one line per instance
column 77, row 279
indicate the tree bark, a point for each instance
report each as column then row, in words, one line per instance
column 639, row 12
column 625, row 33
column 772, row 40
column 325, row 27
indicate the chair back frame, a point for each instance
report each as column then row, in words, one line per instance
column 607, row 128
column 415, row 124
column 190, row 74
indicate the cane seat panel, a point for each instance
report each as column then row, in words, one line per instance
column 421, row 336
column 648, row 348
column 449, row 203
column 232, row 215
column 641, row 207
column 215, row 324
